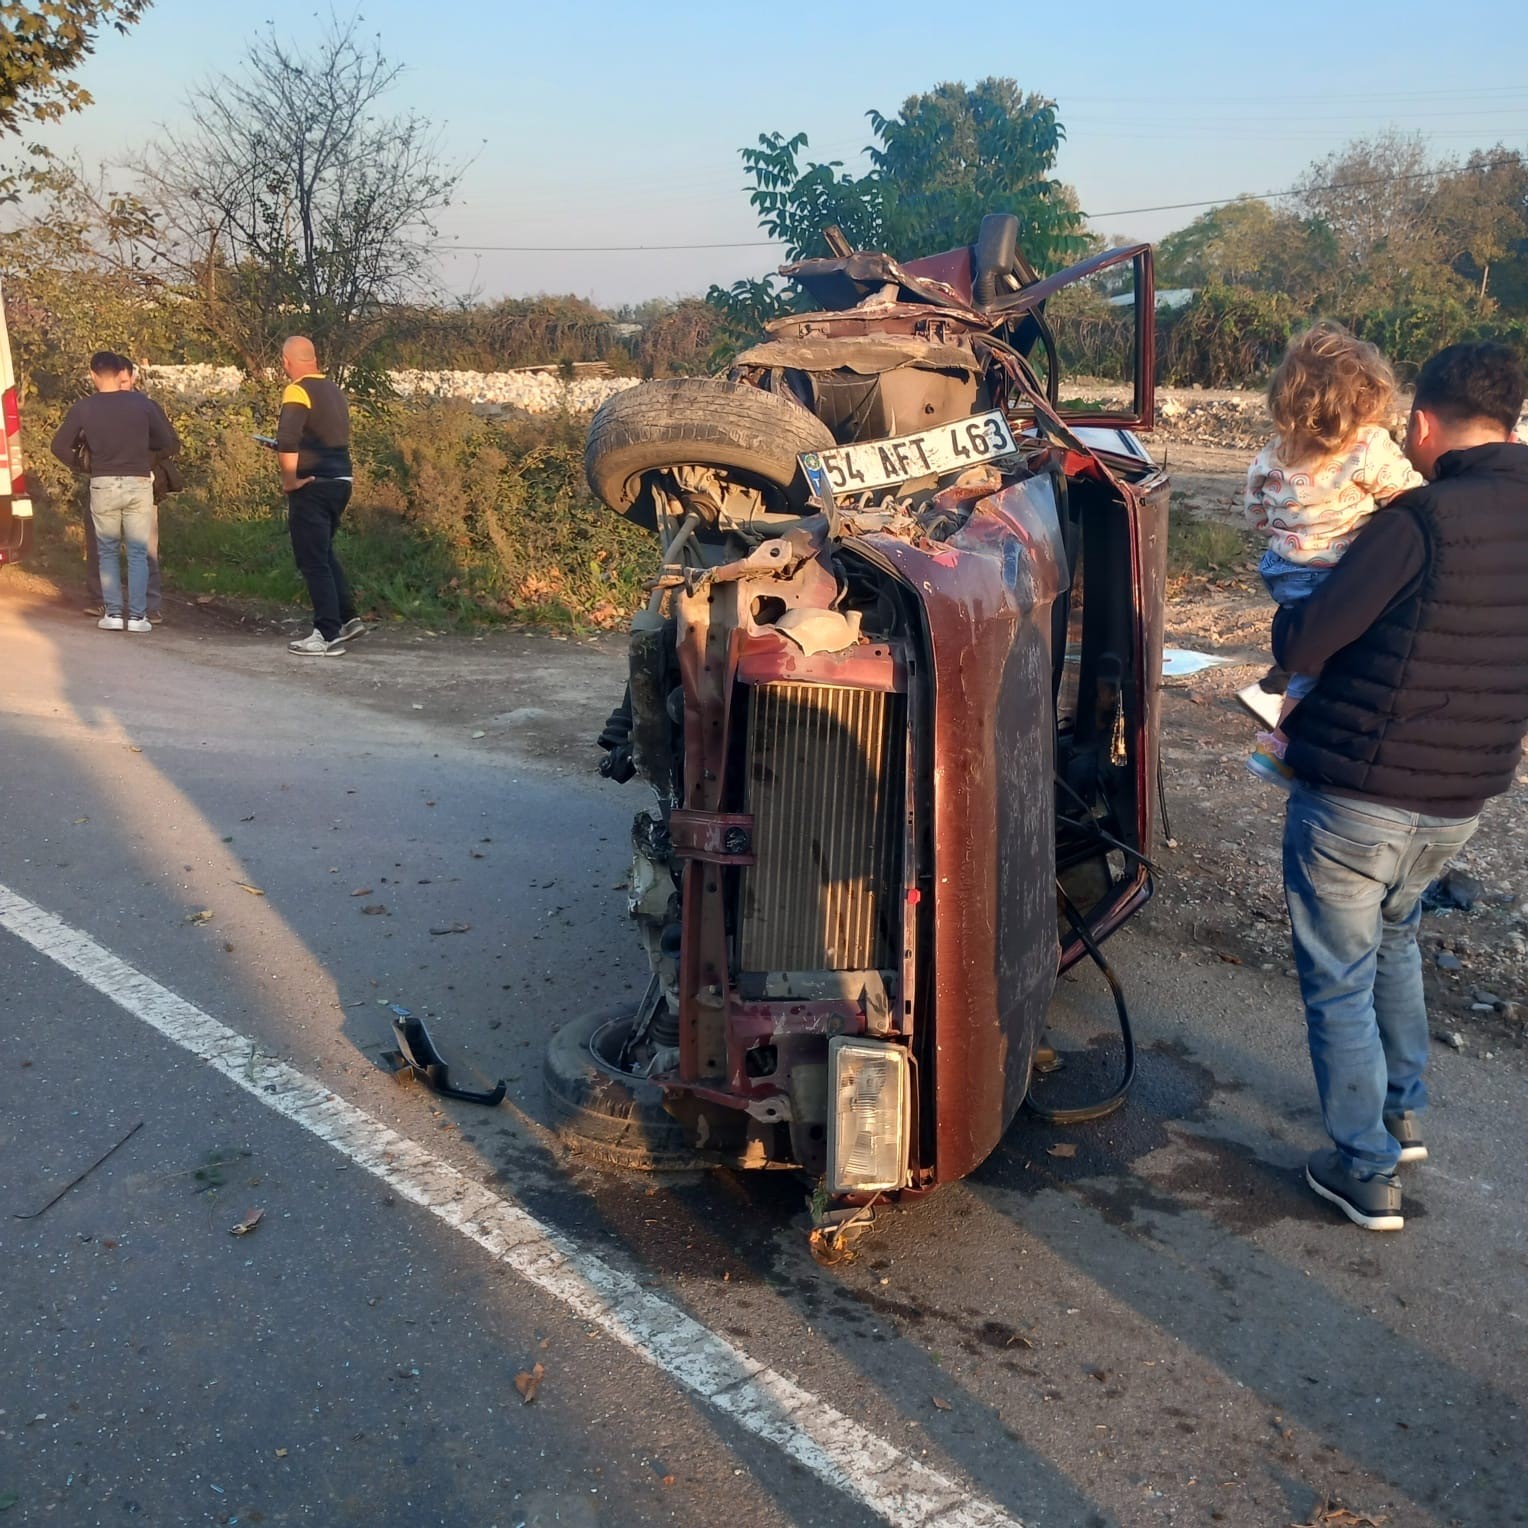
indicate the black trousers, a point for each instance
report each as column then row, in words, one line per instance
column 313, row 516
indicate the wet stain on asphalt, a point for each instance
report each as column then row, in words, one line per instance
column 1172, row 1096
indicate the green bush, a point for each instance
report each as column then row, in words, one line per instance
column 454, row 518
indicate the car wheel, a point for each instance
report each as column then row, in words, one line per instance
column 605, row 1114
column 699, row 421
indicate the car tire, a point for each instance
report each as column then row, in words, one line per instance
column 699, row 421
column 606, row 1115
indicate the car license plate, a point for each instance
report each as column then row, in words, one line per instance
column 871, row 464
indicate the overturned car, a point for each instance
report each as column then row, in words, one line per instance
column 894, row 706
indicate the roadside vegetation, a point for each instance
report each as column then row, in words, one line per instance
column 258, row 219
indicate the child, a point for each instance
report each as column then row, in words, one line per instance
column 1314, row 486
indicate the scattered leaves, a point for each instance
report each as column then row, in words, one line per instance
column 529, row 1384
column 254, row 891
column 362, row 891
column 204, row 915
column 1332, row 1514
column 1062, row 1149
column 374, row 909
column 941, row 1403
column 248, row 1224
column 452, row 928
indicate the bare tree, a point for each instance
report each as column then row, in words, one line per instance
column 290, row 203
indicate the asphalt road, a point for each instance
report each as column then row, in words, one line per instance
column 1144, row 1321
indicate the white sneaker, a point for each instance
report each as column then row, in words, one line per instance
column 353, row 628
column 314, row 646
column 111, row 623
column 139, row 623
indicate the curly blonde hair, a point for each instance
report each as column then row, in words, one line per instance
column 1326, row 389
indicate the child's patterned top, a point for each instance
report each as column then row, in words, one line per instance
column 1311, row 513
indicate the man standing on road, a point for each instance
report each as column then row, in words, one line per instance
column 1420, row 637
column 313, row 448
column 122, row 431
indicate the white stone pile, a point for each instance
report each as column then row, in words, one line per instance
column 527, row 392
column 201, row 380
column 531, row 392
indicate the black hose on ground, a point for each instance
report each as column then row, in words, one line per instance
column 1086, row 1113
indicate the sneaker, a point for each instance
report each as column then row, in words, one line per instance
column 1373, row 1203
column 111, row 623
column 139, row 623
column 315, row 646
column 156, row 618
column 96, row 609
column 1270, row 769
column 353, row 628
column 1405, row 1129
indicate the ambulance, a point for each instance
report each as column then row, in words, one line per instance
column 15, row 501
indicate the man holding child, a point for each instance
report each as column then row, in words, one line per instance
column 1416, row 642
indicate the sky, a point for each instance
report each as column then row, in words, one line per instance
column 604, row 125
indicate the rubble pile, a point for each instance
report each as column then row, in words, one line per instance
column 1233, row 420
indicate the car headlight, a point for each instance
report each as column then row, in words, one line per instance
column 872, row 1106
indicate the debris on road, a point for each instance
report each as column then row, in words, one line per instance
column 32, row 1215
column 248, row 1224
column 417, row 1056
column 529, row 1383
column 1332, row 1514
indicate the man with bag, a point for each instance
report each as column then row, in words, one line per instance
column 114, row 435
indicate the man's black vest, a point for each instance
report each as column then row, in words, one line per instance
column 1427, row 709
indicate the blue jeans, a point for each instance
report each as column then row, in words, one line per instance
column 1288, row 583
column 155, row 600
column 1354, row 873
column 122, row 510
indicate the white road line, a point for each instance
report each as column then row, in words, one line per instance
column 834, row 1447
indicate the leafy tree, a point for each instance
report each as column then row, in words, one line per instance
column 1481, row 210
column 42, row 44
column 943, row 161
column 291, row 203
column 75, row 282
column 951, row 156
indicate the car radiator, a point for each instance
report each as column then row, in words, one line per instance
column 825, row 787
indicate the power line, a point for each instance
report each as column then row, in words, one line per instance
column 1120, row 212
column 597, row 249
column 1336, row 185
